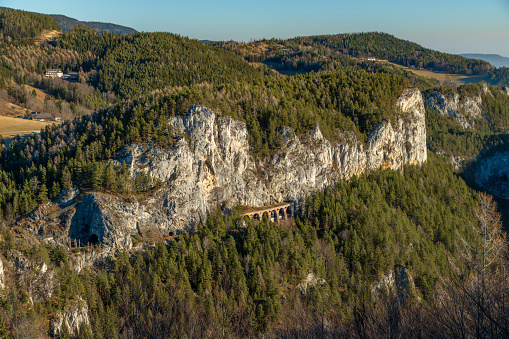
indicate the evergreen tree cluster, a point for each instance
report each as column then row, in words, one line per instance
column 136, row 64
column 501, row 76
column 22, row 27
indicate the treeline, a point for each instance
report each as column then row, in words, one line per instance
column 38, row 59
column 348, row 100
column 286, row 57
column 21, row 27
column 236, row 279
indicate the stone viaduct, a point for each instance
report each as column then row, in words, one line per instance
column 274, row 212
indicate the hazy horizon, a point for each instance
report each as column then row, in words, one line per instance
column 457, row 27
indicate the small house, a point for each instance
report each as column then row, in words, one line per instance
column 42, row 116
column 54, row 73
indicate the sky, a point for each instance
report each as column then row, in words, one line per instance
column 452, row 26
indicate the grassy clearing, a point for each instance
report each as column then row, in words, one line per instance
column 36, row 103
column 456, row 79
column 10, row 127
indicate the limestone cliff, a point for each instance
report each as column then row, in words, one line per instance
column 74, row 316
column 212, row 165
column 492, row 173
column 34, row 278
column 464, row 109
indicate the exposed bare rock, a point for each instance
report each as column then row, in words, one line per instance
column 102, row 218
column 67, row 196
column 464, row 109
column 398, row 282
column 34, row 277
column 88, row 259
column 212, row 166
column 310, row 281
column 74, row 316
column 456, row 161
column 506, row 90
column 2, row 275
column 486, row 89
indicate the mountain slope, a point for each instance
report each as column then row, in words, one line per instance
column 67, row 23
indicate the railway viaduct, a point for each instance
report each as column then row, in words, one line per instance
column 275, row 212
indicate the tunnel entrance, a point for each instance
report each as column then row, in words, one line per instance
column 93, row 239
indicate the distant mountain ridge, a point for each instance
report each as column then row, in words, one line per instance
column 494, row 59
column 67, row 23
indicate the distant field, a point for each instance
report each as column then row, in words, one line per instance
column 457, row 79
column 10, row 127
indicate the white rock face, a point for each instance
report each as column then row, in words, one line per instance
column 214, row 166
column 2, row 275
column 506, row 90
column 464, row 109
column 398, row 282
column 73, row 316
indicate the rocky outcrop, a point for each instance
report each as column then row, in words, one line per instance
column 212, row 165
column 506, row 90
column 464, row 109
column 74, row 316
column 310, row 281
column 34, row 277
column 398, row 282
column 492, row 174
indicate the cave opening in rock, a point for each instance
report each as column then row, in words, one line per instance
column 93, row 239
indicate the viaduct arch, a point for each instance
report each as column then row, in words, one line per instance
column 275, row 212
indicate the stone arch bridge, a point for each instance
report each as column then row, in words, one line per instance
column 275, row 212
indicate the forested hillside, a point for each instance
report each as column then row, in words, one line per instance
column 137, row 64
column 78, row 150
column 244, row 280
column 322, row 52
column 20, row 27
